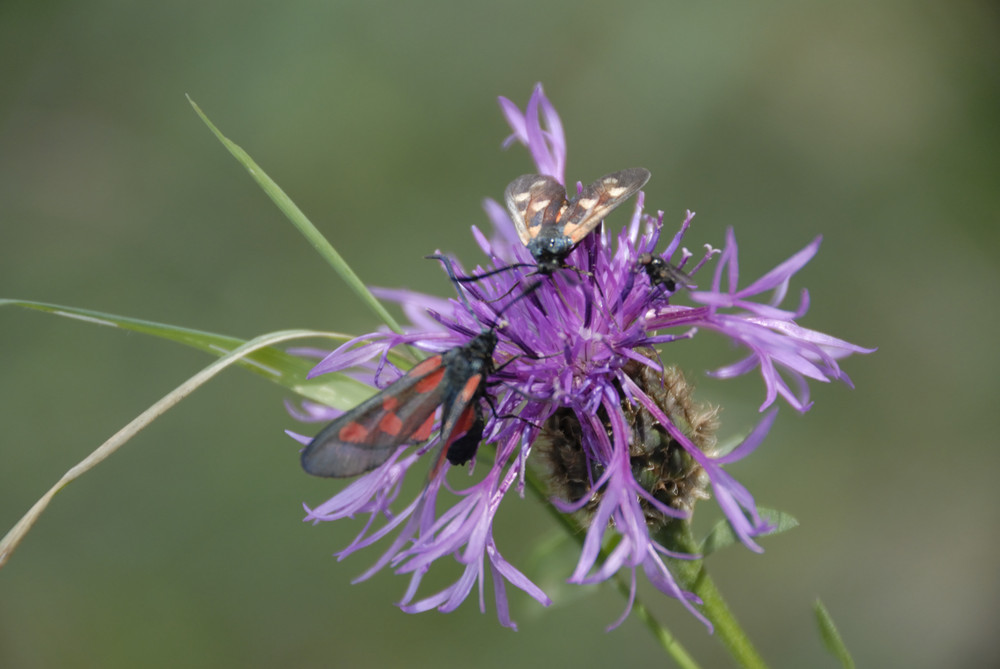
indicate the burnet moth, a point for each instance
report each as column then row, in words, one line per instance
column 367, row 435
column 551, row 225
column 404, row 412
column 662, row 273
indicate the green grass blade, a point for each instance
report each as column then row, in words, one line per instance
column 831, row 637
column 288, row 371
column 304, row 225
column 13, row 538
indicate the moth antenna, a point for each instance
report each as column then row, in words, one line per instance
column 450, row 268
column 493, row 410
column 497, row 299
column 527, row 291
column 485, row 275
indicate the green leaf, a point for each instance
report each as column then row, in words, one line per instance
column 274, row 364
column 722, row 535
column 300, row 221
column 831, row 637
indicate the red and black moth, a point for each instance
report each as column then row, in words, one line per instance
column 551, row 225
column 367, row 435
column 662, row 273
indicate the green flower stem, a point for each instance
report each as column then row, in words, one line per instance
column 304, row 225
column 666, row 640
column 692, row 575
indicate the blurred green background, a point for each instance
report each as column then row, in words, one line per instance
column 877, row 126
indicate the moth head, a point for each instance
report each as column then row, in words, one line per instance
column 550, row 252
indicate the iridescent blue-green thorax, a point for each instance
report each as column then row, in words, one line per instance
column 550, row 250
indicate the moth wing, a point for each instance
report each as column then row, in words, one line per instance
column 598, row 199
column 459, row 418
column 463, row 449
column 367, row 435
column 533, row 201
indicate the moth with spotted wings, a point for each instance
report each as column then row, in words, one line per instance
column 366, row 436
column 551, row 225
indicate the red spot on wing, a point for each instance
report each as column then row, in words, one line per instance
column 390, row 424
column 463, row 423
column 468, row 415
column 426, row 366
column 389, row 403
column 429, row 382
column 470, row 388
column 423, row 432
column 353, row 433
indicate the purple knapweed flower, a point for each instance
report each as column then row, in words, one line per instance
column 576, row 359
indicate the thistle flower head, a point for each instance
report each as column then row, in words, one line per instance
column 578, row 378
